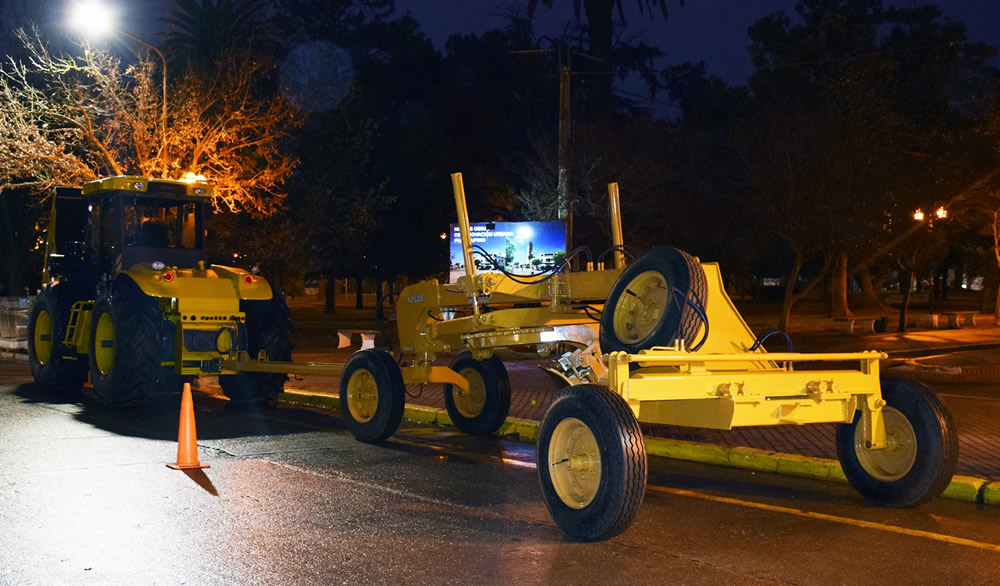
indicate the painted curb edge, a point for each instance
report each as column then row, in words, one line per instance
column 962, row 488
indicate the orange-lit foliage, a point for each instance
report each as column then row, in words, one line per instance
column 69, row 119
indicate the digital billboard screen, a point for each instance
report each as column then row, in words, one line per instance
column 522, row 248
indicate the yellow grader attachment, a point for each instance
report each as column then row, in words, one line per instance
column 656, row 342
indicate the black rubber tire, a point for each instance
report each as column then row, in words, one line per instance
column 936, row 449
column 379, row 374
column 269, row 328
column 134, row 372
column 677, row 320
column 55, row 367
column 622, row 460
column 494, row 383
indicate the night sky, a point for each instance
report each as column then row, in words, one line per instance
column 713, row 31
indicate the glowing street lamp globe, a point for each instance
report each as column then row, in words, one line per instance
column 91, row 17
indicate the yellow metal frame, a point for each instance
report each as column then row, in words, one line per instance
column 481, row 312
column 674, row 387
column 722, row 385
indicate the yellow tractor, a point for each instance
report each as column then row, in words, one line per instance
column 129, row 298
column 657, row 342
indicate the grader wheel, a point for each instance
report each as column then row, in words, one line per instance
column 372, row 395
column 591, row 462
column 651, row 302
column 920, row 459
column 483, row 408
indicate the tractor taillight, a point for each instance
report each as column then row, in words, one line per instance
column 168, row 276
column 248, row 279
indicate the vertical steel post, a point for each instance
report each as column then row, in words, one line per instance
column 614, row 203
column 458, row 186
column 564, row 208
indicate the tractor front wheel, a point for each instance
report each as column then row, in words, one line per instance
column 372, row 395
column 922, row 450
column 591, row 462
column 125, row 350
column 54, row 366
column 482, row 409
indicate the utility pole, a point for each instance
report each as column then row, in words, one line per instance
column 565, row 157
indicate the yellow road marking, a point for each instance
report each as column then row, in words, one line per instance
column 825, row 517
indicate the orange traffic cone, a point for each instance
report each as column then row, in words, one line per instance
column 187, row 437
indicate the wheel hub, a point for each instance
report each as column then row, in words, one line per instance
column 470, row 403
column 574, row 463
column 895, row 460
column 640, row 306
column 362, row 396
column 43, row 337
column 104, row 344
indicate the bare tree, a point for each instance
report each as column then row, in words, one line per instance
column 67, row 119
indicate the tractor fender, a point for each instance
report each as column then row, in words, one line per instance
column 216, row 282
column 258, row 289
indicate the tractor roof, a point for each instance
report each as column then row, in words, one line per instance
column 151, row 186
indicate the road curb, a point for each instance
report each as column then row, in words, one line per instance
column 962, row 488
column 949, row 374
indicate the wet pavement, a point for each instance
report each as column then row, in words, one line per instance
column 292, row 498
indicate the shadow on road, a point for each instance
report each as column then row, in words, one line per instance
column 216, row 417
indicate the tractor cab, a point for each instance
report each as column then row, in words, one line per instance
column 135, row 221
column 114, row 224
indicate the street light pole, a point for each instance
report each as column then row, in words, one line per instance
column 92, row 17
column 163, row 112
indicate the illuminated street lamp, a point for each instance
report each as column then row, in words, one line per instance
column 939, row 214
column 91, row 17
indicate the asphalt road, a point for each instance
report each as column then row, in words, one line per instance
column 292, row 498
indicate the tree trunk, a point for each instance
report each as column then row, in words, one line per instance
column 330, row 296
column 996, row 309
column 359, row 300
column 838, row 288
column 870, row 293
column 11, row 254
column 905, row 290
column 790, row 298
column 379, row 313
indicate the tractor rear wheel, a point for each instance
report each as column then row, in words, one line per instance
column 372, row 395
column 269, row 330
column 55, row 367
column 483, row 408
column 651, row 302
column 920, row 459
column 125, row 350
column 591, row 462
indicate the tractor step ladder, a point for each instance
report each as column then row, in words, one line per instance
column 79, row 308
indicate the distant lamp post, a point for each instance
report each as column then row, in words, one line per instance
column 939, row 214
column 95, row 19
